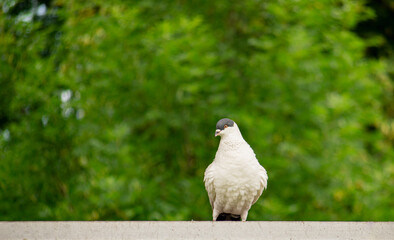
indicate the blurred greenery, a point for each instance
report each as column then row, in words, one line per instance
column 108, row 108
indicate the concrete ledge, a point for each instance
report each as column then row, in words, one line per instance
column 196, row 230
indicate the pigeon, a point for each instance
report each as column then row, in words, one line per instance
column 235, row 179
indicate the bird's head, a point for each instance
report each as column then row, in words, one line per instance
column 225, row 126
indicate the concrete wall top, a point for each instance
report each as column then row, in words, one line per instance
column 196, row 230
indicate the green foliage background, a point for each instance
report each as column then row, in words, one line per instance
column 108, row 108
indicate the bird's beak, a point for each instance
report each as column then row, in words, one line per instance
column 217, row 132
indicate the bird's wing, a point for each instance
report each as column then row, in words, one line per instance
column 263, row 177
column 209, row 183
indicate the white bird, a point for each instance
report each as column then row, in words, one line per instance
column 235, row 179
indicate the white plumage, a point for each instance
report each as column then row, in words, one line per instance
column 235, row 179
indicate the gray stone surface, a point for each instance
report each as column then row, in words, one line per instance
column 196, row 230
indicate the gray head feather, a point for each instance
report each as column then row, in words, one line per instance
column 224, row 121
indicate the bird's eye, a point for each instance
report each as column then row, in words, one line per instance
column 225, row 126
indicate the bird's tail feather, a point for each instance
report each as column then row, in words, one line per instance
column 228, row 217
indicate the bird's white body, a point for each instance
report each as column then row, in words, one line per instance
column 235, row 179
